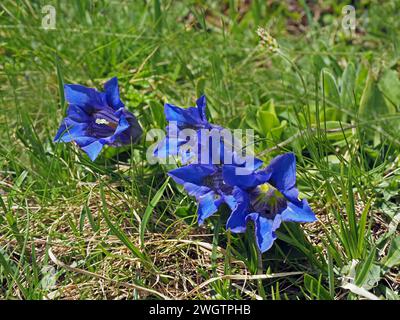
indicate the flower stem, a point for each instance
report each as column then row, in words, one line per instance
column 260, row 270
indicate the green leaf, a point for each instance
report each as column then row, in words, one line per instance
column 158, row 16
column 339, row 135
column 251, row 118
column 150, row 209
column 267, row 119
column 348, row 86
column 157, row 112
column 393, row 257
column 60, row 84
column 362, row 226
column 87, row 213
column 372, row 101
column 315, row 288
column 389, row 84
column 330, row 87
column 361, row 275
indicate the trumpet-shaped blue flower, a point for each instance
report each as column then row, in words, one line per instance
column 209, row 143
column 267, row 197
column 180, row 119
column 205, row 183
column 95, row 119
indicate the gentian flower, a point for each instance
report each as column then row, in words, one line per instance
column 205, row 183
column 202, row 179
column 194, row 118
column 268, row 197
column 95, row 119
column 180, row 119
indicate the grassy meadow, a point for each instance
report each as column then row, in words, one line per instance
column 119, row 228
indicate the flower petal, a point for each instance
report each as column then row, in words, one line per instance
column 87, row 98
column 196, row 190
column 244, row 178
column 77, row 113
column 296, row 213
column 93, row 149
column 201, row 106
column 166, row 147
column 208, row 205
column 240, row 209
column 189, row 116
column 112, row 93
column 192, row 173
column 135, row 131
column 283, row 176
column 264, row 230
column 70, row 130
column 123, row 125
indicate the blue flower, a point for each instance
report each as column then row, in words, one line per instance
column 192, row 117
column 95, row 119
column 215, row 148
column 205, row 183
column 268, row 197
column 180, row 119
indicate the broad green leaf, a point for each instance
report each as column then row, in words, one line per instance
column 393, row 257
column 362, row 272
column 251, row 118
column 330, row 87
column 372, row 101
column 340, row 134
column 276, row 132
column 348, row 86
column 267, row 121
column 389, row 84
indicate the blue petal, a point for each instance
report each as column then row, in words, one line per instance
column 201, row 106
column 167, row 147
column 135, row 130
column 257, row 163
column 77, row 113
column 87, row 98
column 247, row 178
column 196, row 190
column 112, row 94
column 208, row 205
column 248, row 161
column 73, row 131
column 93, row 149
column 123, row 125
column 240, row 209
column 296, row 213
column 192, row 173
column 84, row 141
column 70, row 130
column 265, row 230
column 189, row 116
column 283, row 176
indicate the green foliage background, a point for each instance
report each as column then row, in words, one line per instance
column 116, row 228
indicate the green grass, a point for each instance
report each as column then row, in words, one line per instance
column 116, row 228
